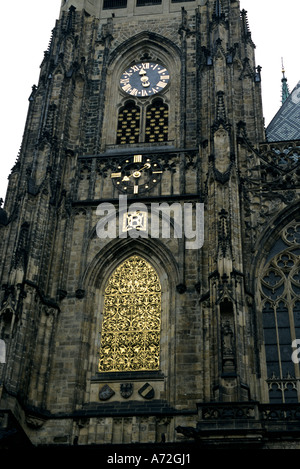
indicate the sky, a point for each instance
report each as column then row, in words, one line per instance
column 25, row 33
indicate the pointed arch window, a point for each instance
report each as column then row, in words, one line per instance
column 130, row 336
column 280, row 294
column 128, row 123
column 156, row 129
column 143, row 123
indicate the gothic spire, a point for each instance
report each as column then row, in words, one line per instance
column 218, row 13
column 285, row 92
column 218, row 8
column 245, row 25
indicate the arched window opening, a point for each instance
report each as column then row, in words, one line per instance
column 128, row 124
column 6, row 321
column 130, row 337
column 280, row 292
column 156, row 129
column 143, row 124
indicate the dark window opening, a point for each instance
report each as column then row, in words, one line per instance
column 156, row 129
column 136, row 125
column 111, row 4
column 142, row 3
column 128, row 124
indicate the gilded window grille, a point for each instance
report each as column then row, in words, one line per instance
column 280, row 295
column 130, row 337
column 128, row 130
column 157, row 117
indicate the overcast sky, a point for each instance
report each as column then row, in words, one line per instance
column 25, row 33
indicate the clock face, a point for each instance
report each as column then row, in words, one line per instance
column 144, row 79
column 137, row 174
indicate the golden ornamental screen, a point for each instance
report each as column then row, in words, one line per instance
column 130, row 338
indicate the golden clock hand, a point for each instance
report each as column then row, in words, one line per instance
column 138, row 173
column 135, row 174
column 146, row 166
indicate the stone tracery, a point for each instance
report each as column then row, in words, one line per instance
column 280, row 293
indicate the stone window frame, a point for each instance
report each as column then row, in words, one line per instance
column 142, row 47
column 165, row 312
column 278, row 299
column 100, row 270
column 139, row 134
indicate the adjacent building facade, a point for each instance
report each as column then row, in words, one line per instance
column 150, row 235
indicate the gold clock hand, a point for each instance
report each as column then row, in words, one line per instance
column 146, row 166
column 137, row 174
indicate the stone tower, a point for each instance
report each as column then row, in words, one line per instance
column 150, row 239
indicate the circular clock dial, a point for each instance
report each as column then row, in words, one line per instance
column 144, row 79
column 137, row 174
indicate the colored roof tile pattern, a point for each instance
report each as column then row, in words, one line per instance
column 286, row 123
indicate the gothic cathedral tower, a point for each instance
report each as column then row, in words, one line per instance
column 140, row 232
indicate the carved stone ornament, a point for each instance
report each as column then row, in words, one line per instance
column 80, row 293
column 106, row 393
column 126, row 390
column 146, row 391
column 34, row 422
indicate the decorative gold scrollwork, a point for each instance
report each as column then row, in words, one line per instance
column 130, row 338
